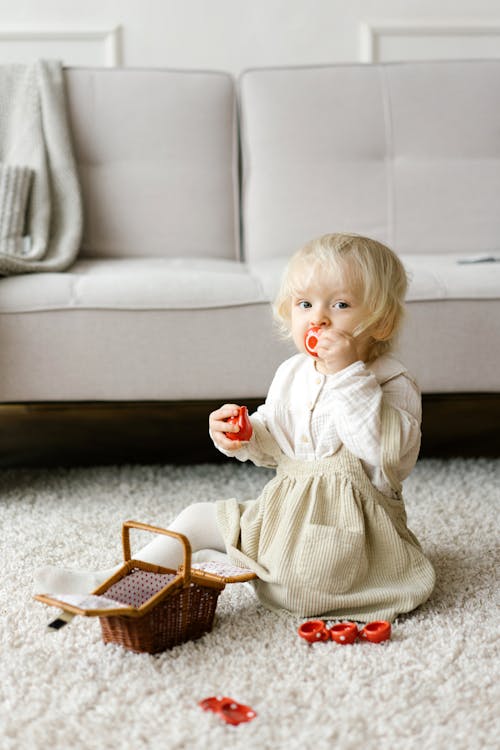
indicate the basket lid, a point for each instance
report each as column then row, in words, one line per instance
column 113, row 598
column 222, row 571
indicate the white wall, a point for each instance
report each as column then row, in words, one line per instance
column 236, row 34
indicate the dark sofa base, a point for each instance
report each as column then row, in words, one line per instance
column 86, row 433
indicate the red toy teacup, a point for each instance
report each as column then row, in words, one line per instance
column 311, row 340
column 344, row 632
column 377, row 631
column 243, row 422
column 313, row 631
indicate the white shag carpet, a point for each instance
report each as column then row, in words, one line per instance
column 435, row 684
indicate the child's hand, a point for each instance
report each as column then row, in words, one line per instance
column 218, row 427
column 336, row 350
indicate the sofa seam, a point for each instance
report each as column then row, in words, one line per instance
column 245, row 169
column 237, row 177
column 116, row 308
column 389, row 156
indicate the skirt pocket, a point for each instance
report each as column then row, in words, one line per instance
column 331, row 559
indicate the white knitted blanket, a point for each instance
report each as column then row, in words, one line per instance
column 40, row 203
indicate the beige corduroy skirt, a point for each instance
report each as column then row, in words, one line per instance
column 324, row 541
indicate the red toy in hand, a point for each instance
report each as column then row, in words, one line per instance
column 311, row 340
column 243, row 422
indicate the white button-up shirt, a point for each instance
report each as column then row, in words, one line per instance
column 310, row 415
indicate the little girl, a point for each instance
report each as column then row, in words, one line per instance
column 327, row 535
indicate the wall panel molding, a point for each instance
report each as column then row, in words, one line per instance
column 450, row 40
column 100, row 47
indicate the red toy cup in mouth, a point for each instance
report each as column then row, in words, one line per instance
column 344, row 632
column 311, row 340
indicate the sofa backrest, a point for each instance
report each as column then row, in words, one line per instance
column 406, row 153
column 157, row 157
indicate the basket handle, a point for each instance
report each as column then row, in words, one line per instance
column 186, row 566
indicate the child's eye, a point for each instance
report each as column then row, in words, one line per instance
column 304, row 304
column 341, row 305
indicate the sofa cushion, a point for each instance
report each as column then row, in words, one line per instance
column 136, row 329
column 134, row 284
column 405, row 153
column 157, row 157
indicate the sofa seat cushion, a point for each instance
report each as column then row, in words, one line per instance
column 137, row 329
column 134, row 284
column 451, row 336
column 441, row 277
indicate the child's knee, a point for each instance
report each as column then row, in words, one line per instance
column 195, row 514
column 195, row 517
column 198, row 523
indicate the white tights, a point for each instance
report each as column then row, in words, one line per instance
column 197, row 522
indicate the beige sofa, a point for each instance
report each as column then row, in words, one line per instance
column 196, row 189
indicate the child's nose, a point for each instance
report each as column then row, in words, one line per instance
column 321, row 320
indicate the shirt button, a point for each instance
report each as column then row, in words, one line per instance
column 318, row 381
column 304, row 439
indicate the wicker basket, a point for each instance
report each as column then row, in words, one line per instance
column 148, row 608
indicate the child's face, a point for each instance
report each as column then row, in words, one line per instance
column 331, row 302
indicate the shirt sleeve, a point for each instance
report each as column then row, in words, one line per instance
column 356, row 399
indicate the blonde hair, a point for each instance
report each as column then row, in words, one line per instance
column 373, row 268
